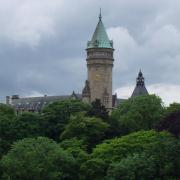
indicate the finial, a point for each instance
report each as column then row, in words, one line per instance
column 140, row 73
column 100, row 17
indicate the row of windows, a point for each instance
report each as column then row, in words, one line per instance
column 27, row 103
column 100, row 54
column 105, row 100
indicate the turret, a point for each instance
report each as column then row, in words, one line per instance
column 140, row 88
column 86, row 93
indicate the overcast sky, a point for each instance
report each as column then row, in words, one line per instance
column 43, row 42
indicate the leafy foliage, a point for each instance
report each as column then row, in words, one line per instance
column 136, row 166
column 6, row 134
column 172, row 108
column 98, row 110
column 39, row 158
column 142, row 112
column 56, row 116
column 93, row 169
column 170, row 123
column 90, row 129
column 75, row 147
column 80, row 130
column 159, row 148
column 6, row 110
column 27, row 125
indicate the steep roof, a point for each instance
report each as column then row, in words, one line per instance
column 140, row 88
column 100, row 38
column 37, row 103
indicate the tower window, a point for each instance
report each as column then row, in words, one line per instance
column 105, row 100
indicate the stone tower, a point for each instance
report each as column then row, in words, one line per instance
column 99, row 65
column 140, row 88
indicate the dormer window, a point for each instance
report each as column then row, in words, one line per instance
column 96, row 43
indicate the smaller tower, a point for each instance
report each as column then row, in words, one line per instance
column 140, row 88
column 86, row 94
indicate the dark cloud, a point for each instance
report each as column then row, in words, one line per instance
column 42, row 43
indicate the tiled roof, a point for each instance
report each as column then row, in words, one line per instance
column 139, row 90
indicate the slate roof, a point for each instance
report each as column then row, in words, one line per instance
column 140, row 88
column 37, row 103
column 100, row 38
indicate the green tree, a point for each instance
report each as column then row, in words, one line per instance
column 76, row 147
column 160, row 149
column 142, row 112
column 21, row 126
column 93, row 169
column 136, row 166
column 57, row 115
column 7, row 135
column 38, row 158
column 90, row 129
column 170, row 123
column 6, row 110
column 98, row 110
column 172, row 108
column 26, row 125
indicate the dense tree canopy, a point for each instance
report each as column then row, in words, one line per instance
column 77, row 149
column 40, row 159
column 142, row 112
column 171, row 123
column 98, row 110
column 57, row 115
column 90, row 144
column 90, row 129
column 172, row 108
column 158, row 148
column 6, row 110
column 6, row 133
column 7, row 136
column 136, row 166
column 27, row 125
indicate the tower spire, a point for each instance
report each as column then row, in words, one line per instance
column 100, row 16
column 100, row 38
column 140, row 88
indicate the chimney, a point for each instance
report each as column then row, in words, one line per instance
column 8, row 98
column 15, row 97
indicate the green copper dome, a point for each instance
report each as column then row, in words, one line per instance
column 100, row 38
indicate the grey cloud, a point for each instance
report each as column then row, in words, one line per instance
column 42, row 43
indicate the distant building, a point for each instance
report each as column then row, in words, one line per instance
column 35, row 104
column 140, row 88
column 98, row 84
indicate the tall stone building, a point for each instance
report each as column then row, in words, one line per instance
column 99, row 64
